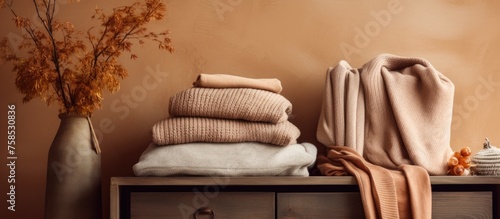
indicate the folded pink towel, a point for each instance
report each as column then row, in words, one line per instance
column 231, row 103
column 180, row 130
column 233, row 81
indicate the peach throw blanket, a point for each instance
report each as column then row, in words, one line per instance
column 394, row 110
column 385, row 193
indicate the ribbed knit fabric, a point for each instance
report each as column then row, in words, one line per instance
column 394, row 110
column 487, row 161
column 179, row 130
column 226, row 159
column 231, row 103
column 385, row 193
column 233, row 81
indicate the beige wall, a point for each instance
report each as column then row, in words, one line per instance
column 294, row 41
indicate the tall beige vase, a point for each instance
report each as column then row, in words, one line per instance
column 73, row 187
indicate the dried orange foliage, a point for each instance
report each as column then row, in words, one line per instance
column 74, row 68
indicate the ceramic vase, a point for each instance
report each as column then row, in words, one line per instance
column 73, row 186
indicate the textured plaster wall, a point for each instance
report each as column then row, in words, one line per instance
column 294, row 41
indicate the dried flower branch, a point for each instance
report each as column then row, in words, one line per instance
column 71, row 67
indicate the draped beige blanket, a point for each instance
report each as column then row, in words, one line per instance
column 231, row 103
column 385, row 193
column 394, row 110
column 179, row 130
column 233, row 81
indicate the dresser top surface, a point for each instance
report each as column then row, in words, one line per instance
column 286, row 180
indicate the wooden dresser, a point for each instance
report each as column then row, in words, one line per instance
column 285, row 197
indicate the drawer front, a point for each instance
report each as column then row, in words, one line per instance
column 462, row 205
column 349, row 205
column 319, row 205
column 184, row 205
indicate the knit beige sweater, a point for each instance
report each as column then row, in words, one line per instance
column 394, row 110
column 180, row 130
column 231, row 103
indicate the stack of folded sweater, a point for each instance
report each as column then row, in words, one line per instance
column 227, row 126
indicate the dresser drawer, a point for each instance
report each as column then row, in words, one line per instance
column 319, row 205
column 349, row 205
column 184, row 205
column 462, row 205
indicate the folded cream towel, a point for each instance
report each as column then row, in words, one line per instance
column 179, row 130
column 233, row 81
column 231, row 103
column 229, row 159
column 395, row 110
column 405, row 193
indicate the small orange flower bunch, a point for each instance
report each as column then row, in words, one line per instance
column 459, row 164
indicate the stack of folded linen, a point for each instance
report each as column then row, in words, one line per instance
column 227, row 125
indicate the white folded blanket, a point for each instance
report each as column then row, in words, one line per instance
column 226, row 159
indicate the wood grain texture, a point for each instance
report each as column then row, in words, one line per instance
column 114, row 196
column 296, row 197
column 183, row 205
column 450, row 205
column 288, row 180
column 453, row 205
column 319, row 205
